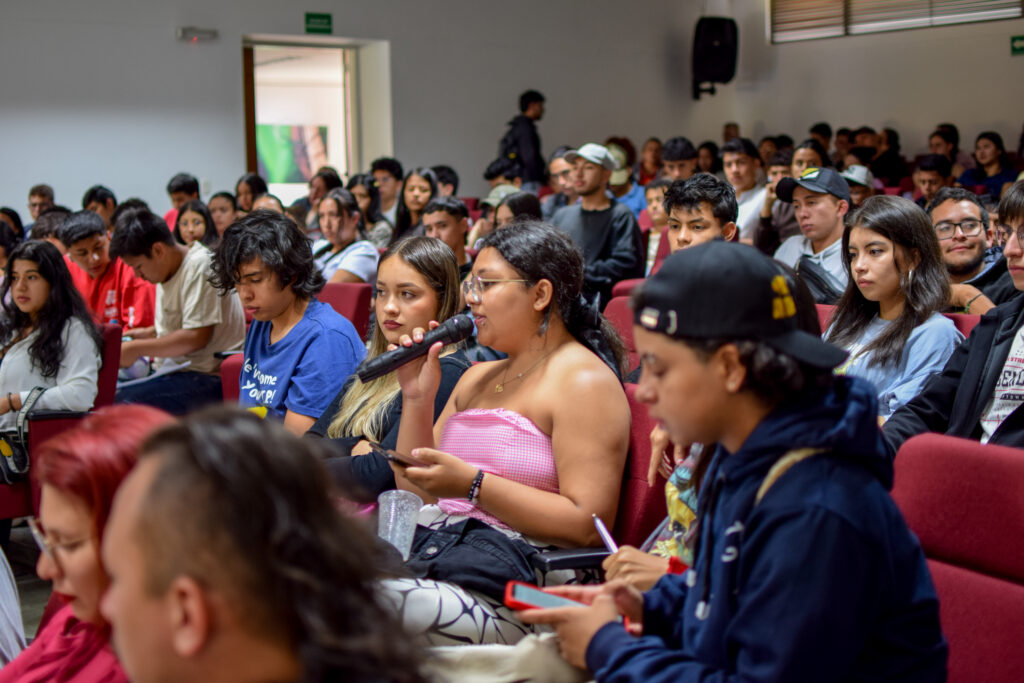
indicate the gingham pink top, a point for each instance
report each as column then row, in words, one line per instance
column 503, row 443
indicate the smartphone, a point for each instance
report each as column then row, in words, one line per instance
column 519, row 595
column 399, row 459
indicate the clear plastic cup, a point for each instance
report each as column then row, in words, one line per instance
column 397, row 512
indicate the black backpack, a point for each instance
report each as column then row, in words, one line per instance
column 508, row 148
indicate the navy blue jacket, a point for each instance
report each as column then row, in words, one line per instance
column 821, row 581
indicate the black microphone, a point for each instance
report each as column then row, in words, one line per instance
column 453, row 330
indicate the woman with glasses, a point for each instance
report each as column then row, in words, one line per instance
column 79, row 472
column 889, row 317
column 417, row 281
column 527, row 448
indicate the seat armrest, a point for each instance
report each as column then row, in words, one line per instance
column 40, row 414
column 225, row 354
column 570, row 558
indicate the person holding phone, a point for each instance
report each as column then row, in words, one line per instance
column 804, row 569
column 417, row 281
column 528, row 447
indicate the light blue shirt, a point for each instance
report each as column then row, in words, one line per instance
column 929, row 347
column 830, row 259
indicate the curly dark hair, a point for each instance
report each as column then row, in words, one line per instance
column 278, row 242
column 539, row 251
column 703, row 188
column 246, row 508
column 64, row 303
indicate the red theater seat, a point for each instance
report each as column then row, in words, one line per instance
column 965, row 502
column 22, row 499
column 620, row 315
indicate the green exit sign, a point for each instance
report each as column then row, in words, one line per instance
column 1017, row 45
column 318, row 23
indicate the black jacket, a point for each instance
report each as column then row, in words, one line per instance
column 952, row 401
column 611, row 244
column 527, row 144
column 996, row 283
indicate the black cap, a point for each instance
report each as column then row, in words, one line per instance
column 823, row 180
column 723, row 290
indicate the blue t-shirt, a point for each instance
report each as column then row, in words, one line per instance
column 634, row 199
column 302, row 371
column 929, row 347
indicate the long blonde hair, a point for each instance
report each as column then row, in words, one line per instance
column 365, row 406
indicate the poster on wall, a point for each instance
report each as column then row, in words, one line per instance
column 290, row 154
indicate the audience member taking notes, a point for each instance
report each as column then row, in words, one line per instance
column 192, row 322
column 794, row 503
column 111, row 290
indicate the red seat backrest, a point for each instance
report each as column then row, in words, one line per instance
column 620, row 315
column 964, row 322
column 470, row 202
column 891, row 190
column 230, row 374
column 965, row 502
column 106, row 384
column 626, row 287
column 825, row 312
column 663, row 251
column 644, row 221
column 352, row 300
column 641, row 506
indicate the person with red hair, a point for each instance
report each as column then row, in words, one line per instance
column 79, row 471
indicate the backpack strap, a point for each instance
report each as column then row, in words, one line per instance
column 783, row 465
column 26, row 408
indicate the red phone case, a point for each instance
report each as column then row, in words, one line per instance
column 512, row 603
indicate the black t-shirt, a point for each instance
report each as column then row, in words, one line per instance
column 610, row 241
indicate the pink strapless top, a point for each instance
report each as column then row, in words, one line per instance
column 503, row 443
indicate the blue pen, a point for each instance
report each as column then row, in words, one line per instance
column 602, row 531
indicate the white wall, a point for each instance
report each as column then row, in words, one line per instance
column 101, row 91
column 910, row 80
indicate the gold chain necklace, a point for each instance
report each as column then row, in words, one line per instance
column 500, row 386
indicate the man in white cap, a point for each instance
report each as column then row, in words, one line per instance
column 621, row 183
column 861, row 182
column 605, row 230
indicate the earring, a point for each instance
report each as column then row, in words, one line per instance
column 909, row 282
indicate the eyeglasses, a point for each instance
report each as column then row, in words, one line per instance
column 1005, row 232
column 969, row 227
column 474, row 286
column 48, row 547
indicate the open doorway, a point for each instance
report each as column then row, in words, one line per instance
column 299, row 114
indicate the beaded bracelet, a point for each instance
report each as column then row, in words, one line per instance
column 967, row 308
column 474, row 488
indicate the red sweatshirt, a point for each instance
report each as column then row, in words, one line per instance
column 116, row 295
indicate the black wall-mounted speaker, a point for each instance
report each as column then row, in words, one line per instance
column 714, row 50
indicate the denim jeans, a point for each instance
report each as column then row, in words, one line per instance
column 177, row 393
